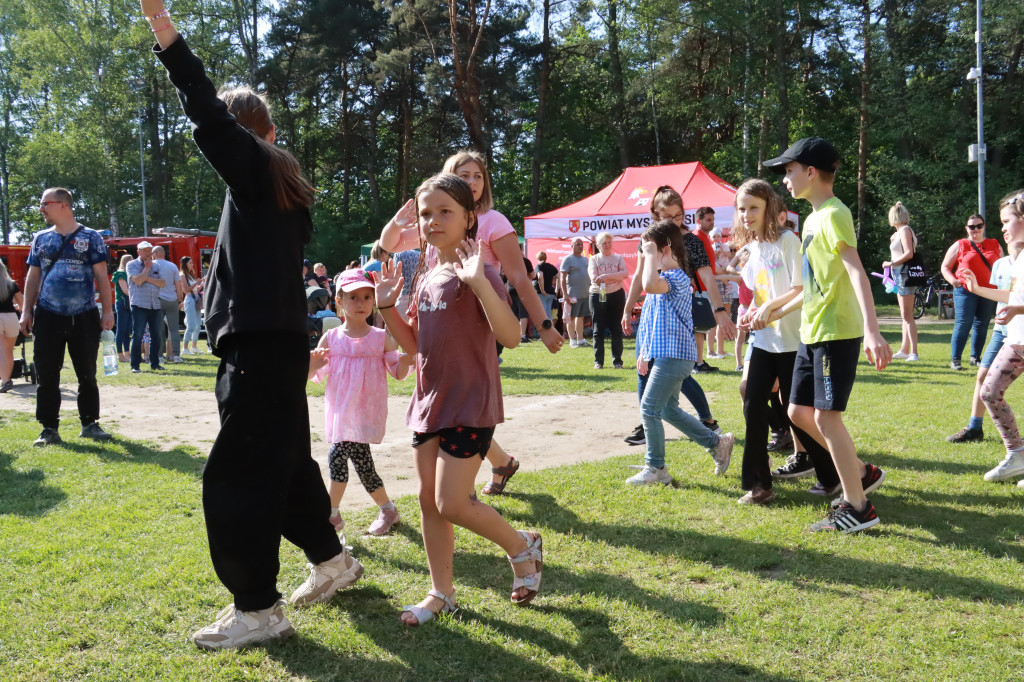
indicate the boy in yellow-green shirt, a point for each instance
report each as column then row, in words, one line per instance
column 837, row 314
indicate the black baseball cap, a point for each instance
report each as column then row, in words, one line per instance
column 810, row 151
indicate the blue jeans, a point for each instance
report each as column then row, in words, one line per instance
column 154, row 317
column 661, row 402
column 124, row 327
column 691, row 391
column 973, row 314
column 192, row 321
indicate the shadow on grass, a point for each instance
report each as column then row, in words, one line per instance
column 903, row 463
column 25, row 493
column 508, row 372
column 132, row 452
column 446, row 649
column 796, row 568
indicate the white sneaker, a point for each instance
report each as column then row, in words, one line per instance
column 716, row 356
column 186, row 351
column 234, row 628
column 649, row 476
column 913, row 357
column 327, row 578
column 1011, row 467
column 1020, row 483
column 722, row 453
column 900, row 355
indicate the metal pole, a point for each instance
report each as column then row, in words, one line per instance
column 142, row 158
column 982, row 151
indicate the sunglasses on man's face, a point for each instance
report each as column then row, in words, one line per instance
column 975, row 226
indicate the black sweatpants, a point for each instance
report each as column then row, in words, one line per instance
column 765, row 368
column 80, row 335
column 260, row 483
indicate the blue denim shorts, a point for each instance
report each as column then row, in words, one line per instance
column 998, row 336
column 899, row 274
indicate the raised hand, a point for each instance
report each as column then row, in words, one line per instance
column 388, row 284
column 469, row 267
column 406, row 217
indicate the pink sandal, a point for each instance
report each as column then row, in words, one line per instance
column 534, row 552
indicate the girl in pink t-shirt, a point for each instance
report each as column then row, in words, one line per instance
column 457, row 313
column 354, row 359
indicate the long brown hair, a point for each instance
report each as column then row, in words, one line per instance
column 773, row 206
column 459, row 190
column 291, row 188
column 666, row 233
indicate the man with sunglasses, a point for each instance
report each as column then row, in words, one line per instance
column 60, row 309
column 973, row 312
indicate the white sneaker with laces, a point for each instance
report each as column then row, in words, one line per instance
column 1011, row 467
column 649, row 476
column 722, row 453
column 900, row 355
column 327, row 578
column 913, row 357
column 234, row 628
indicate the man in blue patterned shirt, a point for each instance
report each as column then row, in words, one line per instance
column 60, row 308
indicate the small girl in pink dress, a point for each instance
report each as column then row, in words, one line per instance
column 354, row 358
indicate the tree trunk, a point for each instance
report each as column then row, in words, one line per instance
column 779, row 45
column 1007, row 117
column 465, row 57
column 247, row 28
column 865, row 93
column 618, row 84
column 542, row 103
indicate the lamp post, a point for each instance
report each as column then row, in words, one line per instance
column 138, row 85
column 979, row 152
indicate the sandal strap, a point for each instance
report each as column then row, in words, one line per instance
column 449, row 603
column 509, row 469
column 532, row 551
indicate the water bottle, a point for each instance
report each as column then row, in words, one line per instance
column 604, row 294
column 109, row 352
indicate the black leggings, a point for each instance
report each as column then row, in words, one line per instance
column 359, row 453
column 765, row 368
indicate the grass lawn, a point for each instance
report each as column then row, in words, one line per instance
column 104, row 570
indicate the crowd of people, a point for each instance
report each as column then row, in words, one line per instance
column 446, row 290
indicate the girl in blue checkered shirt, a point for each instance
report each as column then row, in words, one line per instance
column 666, row 349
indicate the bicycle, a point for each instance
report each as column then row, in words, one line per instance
column 928, row 293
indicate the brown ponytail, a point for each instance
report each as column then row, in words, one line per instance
column 291, row 188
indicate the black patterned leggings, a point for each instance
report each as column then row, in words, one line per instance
column 359, row 453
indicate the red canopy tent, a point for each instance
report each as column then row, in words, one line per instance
column 623, row 209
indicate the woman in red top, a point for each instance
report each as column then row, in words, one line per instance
column 973, row 313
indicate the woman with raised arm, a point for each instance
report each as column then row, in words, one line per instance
column 260, row 483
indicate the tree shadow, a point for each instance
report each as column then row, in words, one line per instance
column 781, row 563
column 25, row 493
column 904, row 463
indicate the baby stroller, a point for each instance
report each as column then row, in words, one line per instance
column 317, row 300
column 22, row 367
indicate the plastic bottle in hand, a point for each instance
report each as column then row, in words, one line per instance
column 109, row 352
column 604, row 293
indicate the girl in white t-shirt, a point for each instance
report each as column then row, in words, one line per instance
column 1009, row 362
column 773, row 273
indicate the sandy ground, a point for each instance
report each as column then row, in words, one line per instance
column 540, row 431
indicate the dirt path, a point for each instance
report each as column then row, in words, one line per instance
column 540, row 431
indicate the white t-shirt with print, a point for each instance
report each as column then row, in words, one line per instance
column 773, row 269
column 1001, row 278
column 1015, row 329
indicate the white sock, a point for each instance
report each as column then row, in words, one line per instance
column 387, row 505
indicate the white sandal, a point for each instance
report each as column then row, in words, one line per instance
column 425, row 615
column 534, row 552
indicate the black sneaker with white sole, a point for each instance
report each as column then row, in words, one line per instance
column 637, row 437
column 847, row 519
column 873, row 477
column 704, row 368
column 797, row 465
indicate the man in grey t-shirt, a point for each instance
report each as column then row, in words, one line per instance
column 575, row 283
column 170, row 301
